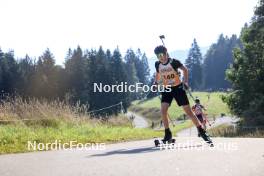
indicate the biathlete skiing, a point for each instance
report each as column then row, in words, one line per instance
column 167, row 74
column 198, row 109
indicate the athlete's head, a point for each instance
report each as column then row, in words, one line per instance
column 160, row 49
column 197, row 101
column 161, row 53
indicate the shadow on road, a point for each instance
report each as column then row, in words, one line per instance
column 142, row 150
column 128, row 151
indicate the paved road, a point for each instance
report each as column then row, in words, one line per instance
column 230, row 157
column 139, row 121
column 193, row 131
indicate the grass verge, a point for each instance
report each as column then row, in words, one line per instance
column 151, row 108
column 23, row 122
column 15, row 138
column 225, row 130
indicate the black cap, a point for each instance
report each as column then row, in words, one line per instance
column 160, row 49
column 197, row 100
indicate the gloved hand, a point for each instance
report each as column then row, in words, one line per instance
column 155, row 86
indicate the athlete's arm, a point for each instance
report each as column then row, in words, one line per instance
column 203, row 108
column 185, row 74
column 157, row 75
column 156, row 81
column 157, row 78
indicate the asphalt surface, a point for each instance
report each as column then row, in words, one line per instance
column 192, row 132
column 230, row 156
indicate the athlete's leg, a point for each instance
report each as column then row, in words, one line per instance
column 189, row 112
column 204, row 125
column 201, row 130
column 183, row 101
column 164, row 114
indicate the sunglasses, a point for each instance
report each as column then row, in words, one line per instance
column 160, row 55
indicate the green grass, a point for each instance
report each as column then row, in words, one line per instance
column 226, row 130
column 14, row 137
column 47, row 122
column 150, row 108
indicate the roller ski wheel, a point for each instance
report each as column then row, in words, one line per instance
column 158, row 142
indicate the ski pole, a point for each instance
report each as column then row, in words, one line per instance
column 162, row 37
column 171, row 120
column 188, row 91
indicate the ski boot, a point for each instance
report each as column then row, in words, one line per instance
column 202, row 133
column 168, row 136
column 166, row 140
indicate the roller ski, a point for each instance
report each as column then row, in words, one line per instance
column 159, row 143
column 202, row 133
